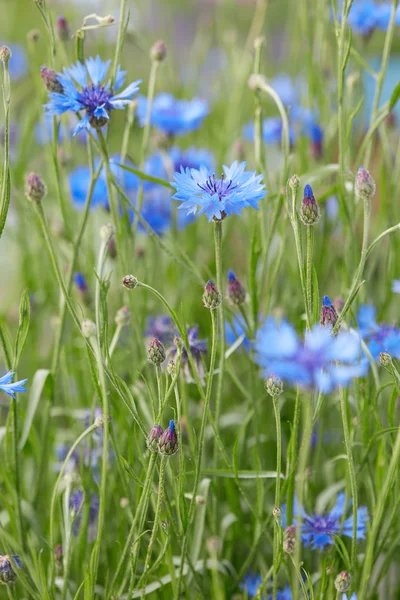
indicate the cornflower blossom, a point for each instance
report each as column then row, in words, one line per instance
column 251, row 584
column 234, row 329
column 7, row 573
column 173, row 116
column 84, row 89
column 9, row 387
column 198, row 348
column 76, row 504
column 218, row 198
column 322, row 361
column 272, row 129
column 378, row 337
column 318, row 531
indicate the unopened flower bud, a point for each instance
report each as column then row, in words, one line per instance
column 50, row 80
column 171, row 368
column 236, row 291
column 112, row 248
column 156, row 352
column 123, row 316
column 211, row 296
column 7, row 573
column 289, row 539
column 276, row 513
column 310, row 213
column 364, row 185
column 273, row 385
column 99, row 421
column 154, row 437
column 213, row 545
column 168, row 442
column 343, row 581
column 5, row 55
column 62, row 29
column 35, row 188
column 294, row 183
column 256, row 82
column 328, row 315
column 158, row 51
column 385, row 359
column 58, row 555
column 107, row 232
column 89, row 329
column 130, row 282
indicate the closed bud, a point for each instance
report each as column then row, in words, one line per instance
column 256, row 82
column 112, row 248
column 123, row 316
column 328, row 315
column 236, row 291
column 343, row 581
column 5, row 55
column 158, row 51
column 171, row 368
column 385, row 359
column 35, row 188
column 156, row 352
column 154, row 437
column 211, row 296
column 289, row 539
column 273, row 385
column 107, row 232
column 99, row 421
column 294, row 183
column 62, row 29
column 89, row 329
column 310, row 213
column 276, row 513
column 364, row 185
column 50, row 80
column 7, row 573
column 168, row 442
column 130, row 282
column 58, row 555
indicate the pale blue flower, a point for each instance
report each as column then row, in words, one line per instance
column 8, row 387
column 173, row 116
column 396, row 286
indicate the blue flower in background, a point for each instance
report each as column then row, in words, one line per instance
column 396, row 286
column 322, row 361
column 271, row 131
column 317, row 531
column 382, row 15
column 173, row 116
column 285, row 87
column 80, row 282
column 8, row 387
column 218, row 198
column 362, row 16
column 251, row 584
column 192, row 158
column 18, row 65
column 236, row 328
column 75, row 505
column 44, row 130
column 346, row 597
column 379, row 338
column 94, row 96
column 332, row 208
column 197, row 349
column 162, row 328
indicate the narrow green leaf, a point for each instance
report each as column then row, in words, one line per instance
column 24, row 320
column 36, row 390
column 145, row 176
column 130, row 471
column 394, row 97
column 201, row 510
column 316, row 298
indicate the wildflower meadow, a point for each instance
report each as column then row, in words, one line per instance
column 200, row 299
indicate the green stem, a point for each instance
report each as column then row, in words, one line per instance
column 214, row 341
column 5, row 184
column 292, row 458
column 277, row 526
column 221, row 318
column 309, row 269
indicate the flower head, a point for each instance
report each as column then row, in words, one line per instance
column 172, row 116
column 328, row 315
column 321, row 361
column 310, row 212
column 84, row 89
column 162, row 328
column 168, row 441
column 211, row 296
column 378, row 337
column 154, row 437
column 251, row 584
column 218, row 198
column 10, row 388
column 236, row 291
column 156, row 352
column 272, row 128
column 318, row 530
column 7, row 573
column 197, row 349
column 235, row 329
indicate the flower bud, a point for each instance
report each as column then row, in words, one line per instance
column 80, row 282
column 211, row 296
column 130, row 282
column 328, row 315
column 273, row 385
column 123, row 316
column 310, row 213
column 385, row 359
column 5, row 55
column 50, row 80
column 343, row 581
column 58, row 555
column 7, row 573
column 294, row 183
column 158, row 51
column 289, row 539
column 276, row 513
column 154, row 437
column 256, row 82
column 156, row 352
column 112, row 248
column 35, row 188
column 171, row 368
column 62, row 29
column 89, row 329
column 168, row 442
column 236, row 291
column 99, row 421
column 364, row 185
column 107, row 232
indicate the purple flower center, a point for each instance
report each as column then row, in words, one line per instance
column 222, row 187
column 94, row 96
column 321, row 524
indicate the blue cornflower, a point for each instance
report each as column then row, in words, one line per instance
column 80, row 282
column 235, row 329
column 353, row 597
column 95, row 97
column 10, row 388
column 379, row 338
column 7, row 573
column 75, row 505
column 18, row 64
column 396, row 286
column 161, row 328
column 285, row 88
column 271, row 131
column 218, row 198
column 192, row 158
column 318, row 531
column 332, row 208
column 362, row 16
column 251, row 584
column 382, row 15
column 173, row 116
column 197, row 349
column 322, row 361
